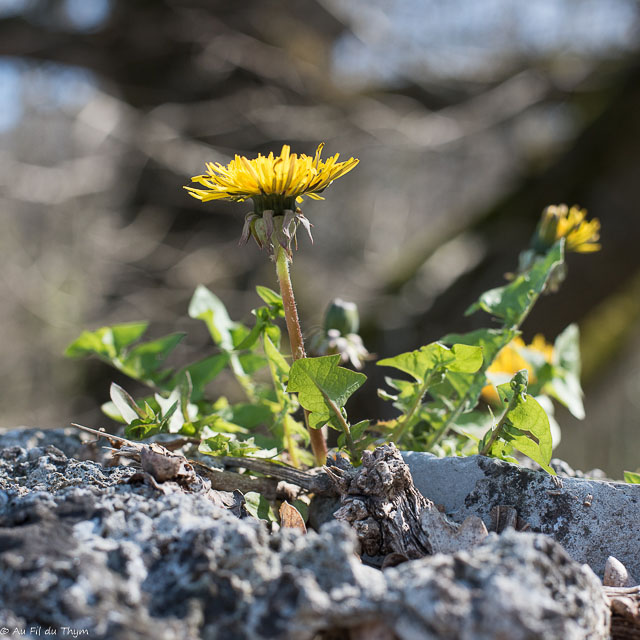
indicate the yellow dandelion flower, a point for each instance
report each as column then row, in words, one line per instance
column 286, row 177
column 275, row 184
column 513, row 358
column 558, row 221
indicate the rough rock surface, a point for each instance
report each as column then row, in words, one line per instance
column 591, row 519
column 81, row 549
column 73, row 442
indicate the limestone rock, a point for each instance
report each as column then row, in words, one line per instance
column 72, row 442
column 516, row 585
column 80, row 548
column 591, row 519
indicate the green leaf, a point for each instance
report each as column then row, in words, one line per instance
column 239, row 334
column 215, row 423
column 270, row 296
column 125, row 334
column 274, row 334
column 467, row 359
column 141, row 429
column 106, row 342
column 259, row 507
column 323, row 387
column 223, row 445
column 526, row 427
column 425, row 361
column 280, row 366
column 125, row 404
column 250, row 415
column 566, row 350
column 564, row 382
column 406, row 397
column 474, row 424
column 202, row 373
column 510, row 302
column 111, row 411
column 566, row 389
column 264, row 319
column 250, row 338
column 172, row 419
column 490, row 341
column 303, row 509
column 185, row 388
column 632, row 477
column 99, row 342
column 144, row 360
column 251, row 362
column 358, row 430
column 209, row 308
column 167, row 423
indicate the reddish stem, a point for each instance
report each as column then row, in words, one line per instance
column 318, row 443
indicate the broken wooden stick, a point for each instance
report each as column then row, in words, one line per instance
column 164, row 465
column 390, row 516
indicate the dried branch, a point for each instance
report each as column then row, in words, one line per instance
column 625, row 612
column 390, row 516
column 164, row 465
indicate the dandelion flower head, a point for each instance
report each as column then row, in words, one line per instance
column 273, row 182
column 560, row 221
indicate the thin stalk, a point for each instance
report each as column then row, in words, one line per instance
column 346, row 428
column 440, row 433
column 318, row 443
column 243, row 379
column 288, row 437
column 401, row 427
column 291, row 445
column 498, row 428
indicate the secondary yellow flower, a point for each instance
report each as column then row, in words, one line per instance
column 558, row 221
column 275, row 184
column 513, row 358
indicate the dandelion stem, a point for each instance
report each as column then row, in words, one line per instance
column 318, row 443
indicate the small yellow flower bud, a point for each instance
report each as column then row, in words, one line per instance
column 558, row 221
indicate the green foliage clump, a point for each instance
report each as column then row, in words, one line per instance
column 439, row 406
column 439, row 403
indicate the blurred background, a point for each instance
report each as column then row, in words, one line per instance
column 468, row 119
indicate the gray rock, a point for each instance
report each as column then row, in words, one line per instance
column 71, row 441
column 591, row 519
column 503, row 588
column 79, row 548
